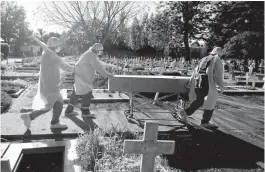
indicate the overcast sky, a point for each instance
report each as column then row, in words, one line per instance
column 36, row 22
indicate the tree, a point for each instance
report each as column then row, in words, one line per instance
column 144, row 34
column 12, row 20
column 95, row 19
column 236, row 17
column 5, row 50
column 46, row 36
column 13, row 25
column 191, row 19
column 245, row 45
column 121, row 36
column 135, row 39
column 160, row 31
column 41, row 33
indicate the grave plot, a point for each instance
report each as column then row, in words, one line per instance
column 121, row 153
column 147, row 65
column 247, row 127
column 74, row 155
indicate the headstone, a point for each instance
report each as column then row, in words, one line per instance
column 247, row 78
column 254, row 81
column 149, row 147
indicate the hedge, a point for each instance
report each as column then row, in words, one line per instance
column 6, row 101
column 5, row 49
column 10, row 90
column 15, row 83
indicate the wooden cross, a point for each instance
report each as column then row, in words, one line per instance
column 149, row 147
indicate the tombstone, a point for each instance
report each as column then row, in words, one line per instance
column 254, row 81
column 247, row 78
column 149, row 147
column 250, row 69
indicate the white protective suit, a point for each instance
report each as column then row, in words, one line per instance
column 49, row 79
column 215, row 77
column 85, row 70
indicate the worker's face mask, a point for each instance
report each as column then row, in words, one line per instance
column 58, row 49
column 100, row 53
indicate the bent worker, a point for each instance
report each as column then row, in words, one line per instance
column 203, row 91
column 48, row 96
column 85, row 70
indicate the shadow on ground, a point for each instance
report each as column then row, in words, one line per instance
column 87, row 124
column 203, row 150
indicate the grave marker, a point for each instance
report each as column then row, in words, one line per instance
column 149, row 147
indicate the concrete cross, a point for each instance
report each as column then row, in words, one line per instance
column 149, row 147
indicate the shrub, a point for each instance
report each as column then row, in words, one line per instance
column 10, row 90
column 5, row 49
column 6, row 101
column 16, row 83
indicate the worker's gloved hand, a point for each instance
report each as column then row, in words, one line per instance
column 187, row 85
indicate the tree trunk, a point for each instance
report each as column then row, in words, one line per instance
column 186, row 43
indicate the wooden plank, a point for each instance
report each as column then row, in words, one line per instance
column 136, row 83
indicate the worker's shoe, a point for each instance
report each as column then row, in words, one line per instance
column 69, row 111
column 209, row 125
column 26, row 118
column 183, row 116
column 58, row 126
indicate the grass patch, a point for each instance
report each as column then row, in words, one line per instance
column 97, row 152
column 14, row 83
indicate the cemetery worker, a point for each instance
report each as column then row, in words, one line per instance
column 203, row 91
column 48, row 95
column 85, row 69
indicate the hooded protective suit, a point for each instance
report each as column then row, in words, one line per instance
column 49, row 79
column 215, row 77
column 85, row 70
